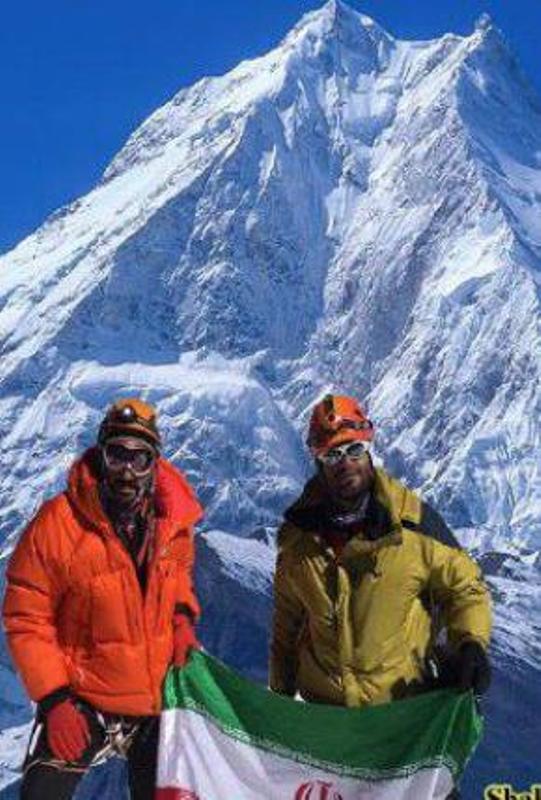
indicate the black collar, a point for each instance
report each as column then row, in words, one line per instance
column 316, row 517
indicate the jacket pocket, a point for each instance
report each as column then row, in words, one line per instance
column 112, row 609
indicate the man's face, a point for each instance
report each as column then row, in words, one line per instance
column 348, row 471
column 129, row 465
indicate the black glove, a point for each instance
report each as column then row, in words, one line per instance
column 472, row 668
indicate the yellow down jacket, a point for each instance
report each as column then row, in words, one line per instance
column 356, row 629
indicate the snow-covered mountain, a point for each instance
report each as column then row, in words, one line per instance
column 349, row 211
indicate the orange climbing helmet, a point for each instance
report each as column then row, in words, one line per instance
column 337, row 419
column 130, row 416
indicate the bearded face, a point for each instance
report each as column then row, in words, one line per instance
column 129, row 465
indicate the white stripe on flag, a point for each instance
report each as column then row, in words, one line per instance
column 204, row 763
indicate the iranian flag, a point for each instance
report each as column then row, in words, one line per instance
column 225, row 738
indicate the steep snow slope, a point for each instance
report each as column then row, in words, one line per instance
column 349, row 211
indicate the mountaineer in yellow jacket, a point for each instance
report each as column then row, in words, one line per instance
column 368, row 576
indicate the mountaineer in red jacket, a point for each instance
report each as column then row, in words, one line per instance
column 99, row 603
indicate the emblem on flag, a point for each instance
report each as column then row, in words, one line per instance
column 317, row 790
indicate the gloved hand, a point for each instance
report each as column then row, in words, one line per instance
column 68, row 734
column 472, row 668
column 184, row 639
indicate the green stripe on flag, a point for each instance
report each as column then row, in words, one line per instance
column 379, row 742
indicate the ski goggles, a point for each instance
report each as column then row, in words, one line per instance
column 139, row 460
column 352, row 450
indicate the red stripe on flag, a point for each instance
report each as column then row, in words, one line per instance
column 172, row 793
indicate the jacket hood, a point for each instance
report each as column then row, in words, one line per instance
column 174, row 498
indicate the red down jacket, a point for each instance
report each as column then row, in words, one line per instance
column 74, row 612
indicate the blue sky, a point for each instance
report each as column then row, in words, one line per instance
column 79, row 75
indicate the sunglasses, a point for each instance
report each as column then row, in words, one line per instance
column 139, row 460
column 352, row 450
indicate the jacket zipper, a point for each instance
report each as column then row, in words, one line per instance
column 151, row 579
column 140, row 617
